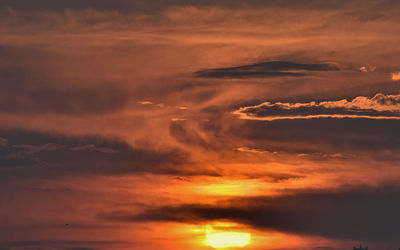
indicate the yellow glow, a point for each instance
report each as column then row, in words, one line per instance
column 218, row 239
column 231, row 187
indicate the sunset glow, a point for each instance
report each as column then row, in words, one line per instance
column 226, row 239
column 198, row 125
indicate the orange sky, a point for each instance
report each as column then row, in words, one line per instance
column 151, row 125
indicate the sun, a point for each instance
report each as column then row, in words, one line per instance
column 226, row 239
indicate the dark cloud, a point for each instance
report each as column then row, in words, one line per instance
column 266, row 69
column 30, row 155
column 314, row 127
column 276, row 177
column 331, row 135
column 352, row 213
column 64, row 4
column 57, row 244
column 320, row 139
column 79, row 248
column 3, row 142
column 152, row 5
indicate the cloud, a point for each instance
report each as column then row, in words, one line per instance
column 26, row 156
column 37, row 148
column 381, row 106
column 92, row 147
column 79, row 248
column 363, row 69
column 396, row 76
column 58, row 244
column 27, row 151
column 157, row 5
column 3, row 142
column 81, row 73
column 357, row 213
column 324, row 139
column 252, row 150
column 367, row 68
column 187, row 135
column 266, row 69
column 145, row 102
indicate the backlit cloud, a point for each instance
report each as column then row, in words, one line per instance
column 380, row 106
column 367, row 68
column 145, row 102
column 396, row 76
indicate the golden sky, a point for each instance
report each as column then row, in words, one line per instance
column 161, row 125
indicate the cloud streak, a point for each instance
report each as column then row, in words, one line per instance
column 380, row 107
column 266, row 69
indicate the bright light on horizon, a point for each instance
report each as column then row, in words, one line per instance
column 226, row 239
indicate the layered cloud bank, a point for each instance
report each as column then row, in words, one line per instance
column 337, row 213
column 385, row 107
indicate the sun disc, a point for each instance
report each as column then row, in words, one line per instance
column 227, row 239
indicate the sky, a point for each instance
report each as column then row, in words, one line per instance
column 183, row 124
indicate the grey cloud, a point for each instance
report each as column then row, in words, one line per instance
column 266, row 69
column 3, row 142
column 57, row 244
column 79, row 248
column 323, row 135
column 92, row 147
column 275, row 177
column 319, row 139
column 64, row 4
column 352, row 213
column 36, row 155
column 154, row 5
column 31, row 149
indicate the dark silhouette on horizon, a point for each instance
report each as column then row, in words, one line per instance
column 355, row 248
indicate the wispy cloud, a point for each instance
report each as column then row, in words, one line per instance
column 380, row 106
column 251, row 150
column 25, row 149
column 145, row 102
column 92, row 147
